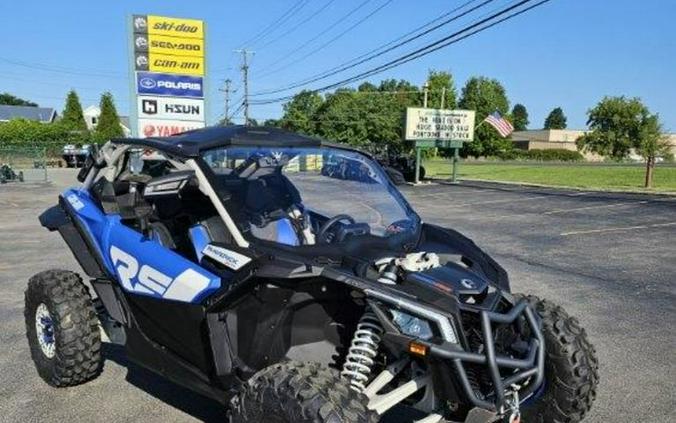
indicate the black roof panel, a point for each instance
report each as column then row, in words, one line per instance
column 192, row 143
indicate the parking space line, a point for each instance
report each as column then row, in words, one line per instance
column 605, row 206
column 508, row 200
column 627, row 228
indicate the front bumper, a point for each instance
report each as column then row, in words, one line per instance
column 521, row 369
column 503, row 371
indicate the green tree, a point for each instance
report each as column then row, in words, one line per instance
column 72, row 114
column 273, row 122
column 10, row 100
column 225, row 121
column 520, row 117
column 485, row 96
column 619, row 125
column 556, row 119
column 440, row 84
column 108, row 125
column 299, row 113
column 652, row 144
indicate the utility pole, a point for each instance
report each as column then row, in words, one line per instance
column 245, row 80
column 426, row 89
column 227, row 90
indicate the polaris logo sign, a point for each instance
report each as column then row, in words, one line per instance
column 169, row 85
column 171, row 108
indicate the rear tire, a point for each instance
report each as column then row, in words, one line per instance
column 62, row 328
column 571, row 368
column 293, row 392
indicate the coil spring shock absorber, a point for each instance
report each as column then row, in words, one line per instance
column 363, row 350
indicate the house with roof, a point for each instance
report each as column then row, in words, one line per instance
column 91, row 116
column 39, row 114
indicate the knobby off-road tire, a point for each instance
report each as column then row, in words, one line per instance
column 76, row 355
column 571, row 368
column 293, row 392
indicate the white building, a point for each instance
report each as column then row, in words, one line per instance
column 91, row 117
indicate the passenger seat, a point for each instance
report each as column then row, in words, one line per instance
column 207, row 231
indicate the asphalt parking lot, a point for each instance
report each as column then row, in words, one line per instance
column 610, row 259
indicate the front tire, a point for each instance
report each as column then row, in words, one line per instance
column 62, row 328
column 571, row 368
column 293, row 392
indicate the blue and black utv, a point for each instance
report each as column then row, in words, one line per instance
column 289, row 279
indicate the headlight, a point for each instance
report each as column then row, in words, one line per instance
column 411, row 325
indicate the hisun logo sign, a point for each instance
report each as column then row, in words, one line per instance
column 171, row 108
column 169, row 85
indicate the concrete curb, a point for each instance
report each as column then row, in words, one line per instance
column 562, row 187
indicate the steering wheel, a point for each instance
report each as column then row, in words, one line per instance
column 322, row 234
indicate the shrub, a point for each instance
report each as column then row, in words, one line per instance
column 549, row 155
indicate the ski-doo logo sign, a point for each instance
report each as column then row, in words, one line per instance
column 163, row 25
column 169, row 85
column 144, row 279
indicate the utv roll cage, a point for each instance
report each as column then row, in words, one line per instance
column 185, row 151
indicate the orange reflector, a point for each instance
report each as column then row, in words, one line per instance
column 418, row 349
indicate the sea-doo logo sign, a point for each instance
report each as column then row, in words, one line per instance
column 233, row 260
column 144, row 279
column 169, row 85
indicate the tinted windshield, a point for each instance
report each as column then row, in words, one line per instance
column 273, row 184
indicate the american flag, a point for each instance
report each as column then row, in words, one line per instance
column 500, row 124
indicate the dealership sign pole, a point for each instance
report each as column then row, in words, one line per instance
column 167, row 64
column 430, row 128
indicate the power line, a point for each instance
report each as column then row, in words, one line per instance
column 330, row 41
column 298, row 25
column 279, row 21
column 377, row 52
column 429, row 48
column 59, row 69
column 326, row 30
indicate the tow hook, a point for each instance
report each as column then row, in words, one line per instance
column 513, row 405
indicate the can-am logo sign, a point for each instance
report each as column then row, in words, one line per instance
column 169, row 85
column 165, row 128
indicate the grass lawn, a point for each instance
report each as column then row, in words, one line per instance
column 581, row 176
